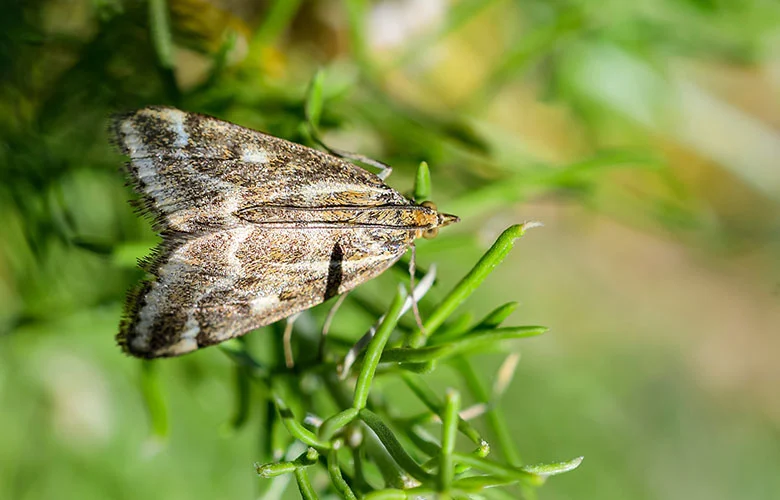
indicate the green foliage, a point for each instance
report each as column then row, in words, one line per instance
column 374, row 432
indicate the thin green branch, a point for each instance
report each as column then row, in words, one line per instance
column 374, row 350
column 497, row 469
column 555, row 468
column 304, row 485
column 334, row 471
column 392, row 445
column 154, row 399
column 305, row 459
column 422, row 183
column 160, row 26
column 387, row 495
column 392, row 473
column 356, row 17
column 296, row 428
column 495, row 416
column 449, row 432
column 470, row 282
column 333, row 424
column 278, row 17
column 497, row 316
column 241, row 379
column 472, row 343
column 429, row 399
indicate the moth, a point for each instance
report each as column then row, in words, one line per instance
column 254, row 229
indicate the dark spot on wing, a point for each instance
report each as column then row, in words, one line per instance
column 335, row 271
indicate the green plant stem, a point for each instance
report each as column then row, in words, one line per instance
column 497, row 469
column 449, row 433
column 497, row 316
column 359, row 478
column 305, row 459
column 479, row 340
column 392, row 445
column 429, row 399
column 422, row 183
column 155, row 400
column 304, row 485
column 334, row 471
column 387, row 495
column 356, row 15
column 333, row 424
column 374, row 350
column 160, row 26
column 494, row 416
column 294, row 427
column 392, row 473
column 242, row 384
column 278, row 17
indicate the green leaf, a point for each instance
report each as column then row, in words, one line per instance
column 476, row 484
column 422, row 183
column 155, row 401
column 160, row 25
column 374, row 349
column 489, row 339
column 334, row 471
column 278, row 17
column 387, row 495
column 449, row 432
column 305, row 459
column 242, row 384
column 314, row 99
column 497, row 316
column 293, row 426
column 456, row 327
column 393, row 446
column 495, row 415
column 429, row 399
column 304, row 485
column 553, row 469
column 330, row 426
column 499, row 470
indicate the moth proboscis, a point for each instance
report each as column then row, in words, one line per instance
column 254, row 229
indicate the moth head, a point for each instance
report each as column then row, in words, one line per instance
column 441, row 220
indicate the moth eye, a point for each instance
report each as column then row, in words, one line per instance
column 431, row 233
column 429, row 204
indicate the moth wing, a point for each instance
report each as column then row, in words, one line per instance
column 223, row 284
column 195, row 171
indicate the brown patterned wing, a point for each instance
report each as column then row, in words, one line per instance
column 222, row 284
column 195, row 171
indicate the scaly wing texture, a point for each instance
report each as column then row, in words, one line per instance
column 223, row 284
column 195, row 171
column 217, row 275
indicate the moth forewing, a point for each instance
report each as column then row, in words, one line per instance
column 255, row 229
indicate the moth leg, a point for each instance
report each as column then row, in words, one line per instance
column 415, row 309
column 384, row 169
column 287, row 340
column 328, row 321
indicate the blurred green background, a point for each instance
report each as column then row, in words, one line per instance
column 644, row 135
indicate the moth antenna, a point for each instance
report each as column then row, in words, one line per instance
column 328, row 321
column 415, row 309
